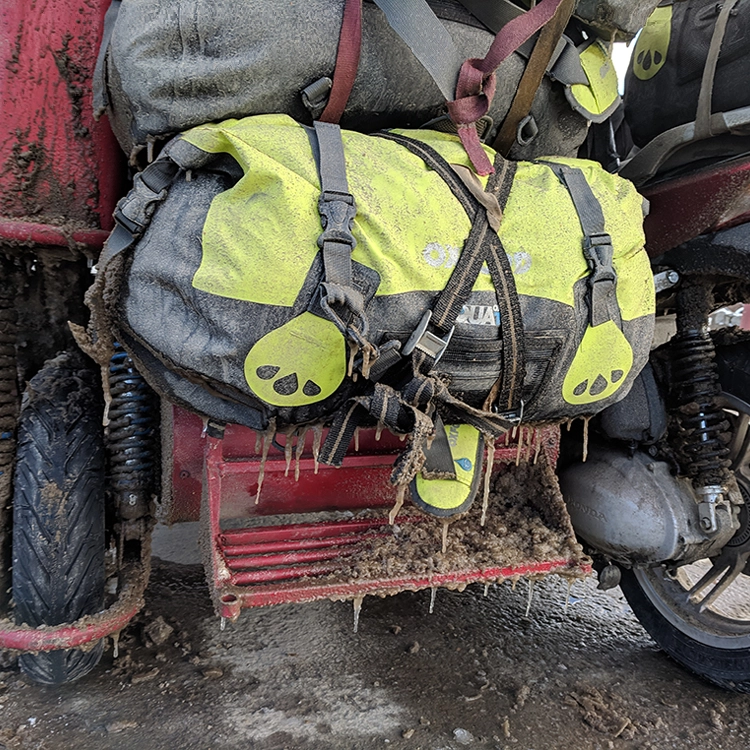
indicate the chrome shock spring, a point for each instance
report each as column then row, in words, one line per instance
column 695, row 390
column 131, row 436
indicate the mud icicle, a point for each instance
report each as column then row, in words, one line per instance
column 288, row 453
column 107, row 394
column 537, row 444
column 567, row 598
column 298, row 453
column 487, row 478
column 398, row 504
column 317, row 440
column 268, row 436
column 357, row 602
column 585, row 437
column 521, row 437
column 444, row 547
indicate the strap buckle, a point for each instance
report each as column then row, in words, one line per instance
column 421, row 339
column 515, row 416
column 337, row 212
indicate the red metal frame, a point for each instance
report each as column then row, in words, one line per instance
column 264, row 565
column 87, row 629
column 708, row 199
column 60, row 171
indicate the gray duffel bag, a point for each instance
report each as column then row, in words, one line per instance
column 167, row 65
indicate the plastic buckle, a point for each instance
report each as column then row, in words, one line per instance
column 427, row 342
column 337, row 212
column 596, row 240
column 515, row 416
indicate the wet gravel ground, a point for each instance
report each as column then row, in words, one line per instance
column 577, row 673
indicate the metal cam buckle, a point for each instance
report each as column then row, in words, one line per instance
column 427, row 342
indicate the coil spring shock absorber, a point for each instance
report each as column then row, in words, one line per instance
column 131, row 437
column 701, row 451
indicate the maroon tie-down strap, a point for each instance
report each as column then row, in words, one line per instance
column 347, row 62
column 476, row 81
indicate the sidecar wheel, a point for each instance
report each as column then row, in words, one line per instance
column 58, row 514
column 714, row 643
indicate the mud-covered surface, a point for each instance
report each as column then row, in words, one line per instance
column 476, row 673
column 507, row 527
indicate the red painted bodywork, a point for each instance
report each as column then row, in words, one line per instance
column 60, row 171
column 716, row 197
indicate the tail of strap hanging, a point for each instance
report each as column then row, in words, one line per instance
column 476, row 80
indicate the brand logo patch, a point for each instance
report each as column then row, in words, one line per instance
column 446, row 256
column 479, row 315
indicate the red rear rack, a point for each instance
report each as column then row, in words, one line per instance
column 339, row 543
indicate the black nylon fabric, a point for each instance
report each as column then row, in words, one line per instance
column 670, row 98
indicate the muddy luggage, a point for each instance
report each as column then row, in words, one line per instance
column 166, row 66
column 429, row 291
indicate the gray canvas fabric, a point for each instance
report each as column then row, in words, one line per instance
column 174, row 64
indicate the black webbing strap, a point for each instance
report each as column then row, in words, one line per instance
column 134, row 211
column 448, row 305
column 482, row 245
column 597, row 244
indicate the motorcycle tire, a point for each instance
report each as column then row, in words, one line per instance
column 58, row 512
column 715, row 643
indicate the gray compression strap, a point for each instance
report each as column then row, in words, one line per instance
column 428, row 39
column 336, row 206
column 597, row 244
column 493, row 15
column 703, row 110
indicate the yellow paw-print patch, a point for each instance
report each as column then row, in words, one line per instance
column 650, row 51
column 300, row 363
column 602, row 361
